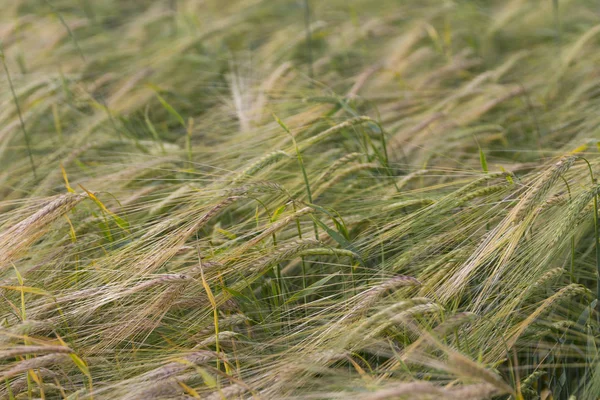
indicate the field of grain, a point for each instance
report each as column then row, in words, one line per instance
column 299, row 199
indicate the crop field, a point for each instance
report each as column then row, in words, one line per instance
column 299, row 199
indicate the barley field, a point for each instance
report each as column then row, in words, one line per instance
column 299, row 199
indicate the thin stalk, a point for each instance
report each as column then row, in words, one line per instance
column 572, row 269
column 277, row 267
column 531, row 110
column 69, row 31
column 596, row 243
column 188, row 142
column 556, row 22
column 110, row 116
column 385, row 159
column 301, row 163
column 303, row 262
column 596, row 240
column 306, row 182
column 173, row 7
column 57, row 124
column 14, row 95
column 308, row 38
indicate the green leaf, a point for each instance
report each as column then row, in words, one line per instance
column 27, row 289
column 341, row 227
column 81, row 365
column 18, row 274
column 483, row 160
column 236, row 294
column 120, row 221
column 226, row 233
column 585, row 315
column 280, row 122
column 208, row 379
column 509, row 178
column 277, row 213
column 342, row 237
column 321, row 209
column 334, row 235
column 152, row 129
column 312, row 288
column 167, row 106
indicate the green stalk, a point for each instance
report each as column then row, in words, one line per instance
column 188, row 142
column 277, row 267
column 572, row 270
column 69, row 31
column 596, row 240
column 596, row 243
column 173, row 7
column 308, row 38
column 301, row 163
column 14, row 95
column 556, row 22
